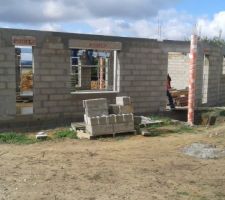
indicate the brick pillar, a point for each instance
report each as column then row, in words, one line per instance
column 192, row 78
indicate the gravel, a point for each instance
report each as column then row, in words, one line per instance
column 204, row 151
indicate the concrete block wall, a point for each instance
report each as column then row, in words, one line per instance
column 222, row 81
column 51, row 82
column 178, row 69
column 7, row 80
column 215, row 77
column 222, row 90
column 143, row 70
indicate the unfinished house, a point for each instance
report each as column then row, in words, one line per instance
column 45, row 76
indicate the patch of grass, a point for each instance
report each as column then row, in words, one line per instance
column 65, row 134
column 165, row 120
column 184, row 129
column 160, row 130
column 15, row 138
column 183, row 193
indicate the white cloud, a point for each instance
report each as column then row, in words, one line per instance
column 211, row 28
column 170, row 23
column 51, row 27
column 53, row 10
column 132, row 18
column 36, row 11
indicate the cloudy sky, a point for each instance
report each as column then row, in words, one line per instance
column 162, row 19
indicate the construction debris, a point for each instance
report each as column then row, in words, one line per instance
column 145, row 121
column 180, row 97
column 204, row 151
column 41, row 135
column 27, row 81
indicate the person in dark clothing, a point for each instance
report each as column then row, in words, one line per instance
column 168, row 87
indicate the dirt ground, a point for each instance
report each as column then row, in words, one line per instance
column 124, row 168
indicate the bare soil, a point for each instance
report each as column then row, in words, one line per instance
column 129, row 168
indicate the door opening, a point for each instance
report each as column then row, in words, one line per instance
column 24, row 80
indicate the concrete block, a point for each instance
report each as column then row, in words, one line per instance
column 47, row 51
column 97, row 130
column 11, row 85
column 119, row 119
column 123, row 127
column 2, row 57
column 91, row 120
column 111, row 119
column 48, row 78
column 95, row 107
column 123, row 101
column 53, row 39
column 126, row 109
column 118, row 109
column 128, row 118
column 102, row 120
column 95, row 102
column 96, row 112
column 2, row 85
column 114, row 109
column 55, row 46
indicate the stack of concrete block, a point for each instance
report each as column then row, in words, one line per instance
column 123, row 106
column 99, row 122
column 96, row 112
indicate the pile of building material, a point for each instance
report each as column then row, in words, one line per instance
column 180, row 97
column 99, row 121
column 95, row 85
column 27, row 81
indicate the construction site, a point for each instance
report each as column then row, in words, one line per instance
column 59, row 89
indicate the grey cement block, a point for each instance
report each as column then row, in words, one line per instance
column 119, row 119
column 95, row 107
column 95, row 102
column 96, row 112
column 99, row 129
column 124, row 100
column 2, row 57
column 111, row 119
column 114, row 109
column 102, row 120
column 91, row 120
column 118, row 109
column 128, row 118
column 123, row 127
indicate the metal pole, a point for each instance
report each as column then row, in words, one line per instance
column 192, row 78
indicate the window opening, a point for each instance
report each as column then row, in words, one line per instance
column 92, row 70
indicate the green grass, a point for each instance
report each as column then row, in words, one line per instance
column 183, row 193
column 164, row 129
column 15, row 138
column 65, row 134
column 165, row 120
column 184, row 129
column 19, row 138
